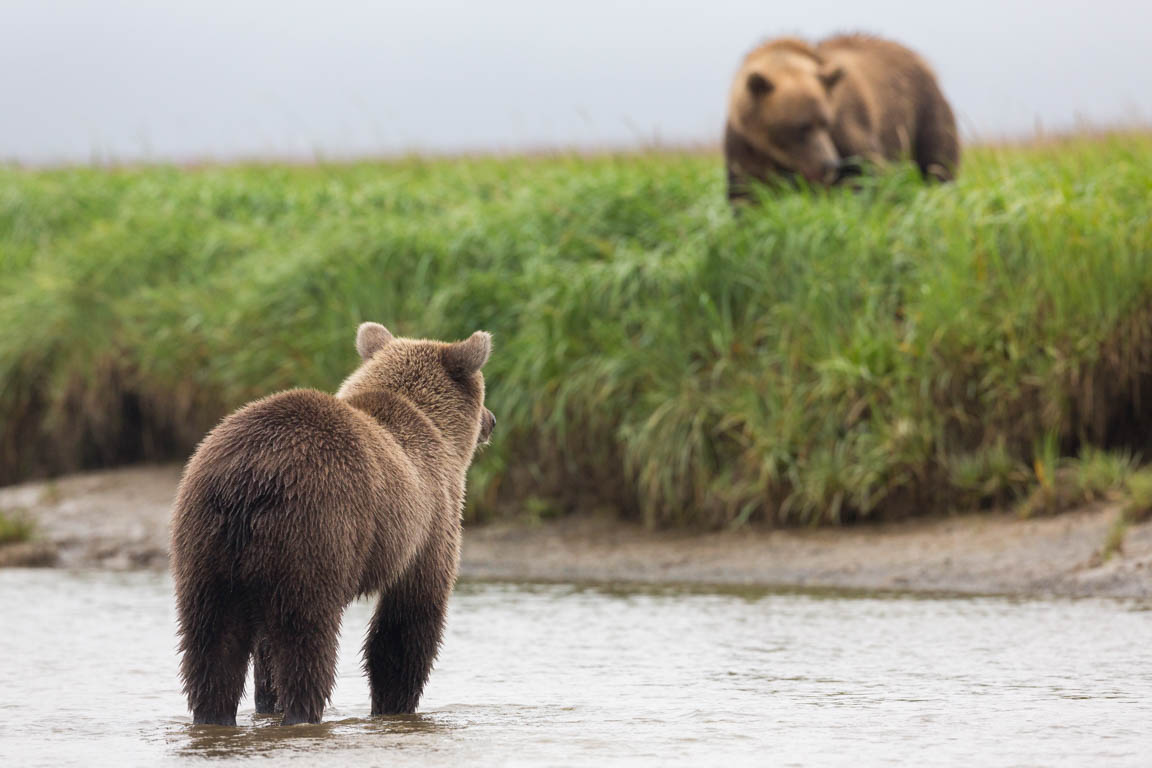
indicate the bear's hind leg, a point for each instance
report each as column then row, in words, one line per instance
column 216, row 643
column 303, row 647
column 267, row 702
column 937, row 145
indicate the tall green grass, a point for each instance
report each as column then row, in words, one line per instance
column 823, row 357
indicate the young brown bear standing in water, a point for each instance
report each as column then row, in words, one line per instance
column 297, row 503
column 798, row 110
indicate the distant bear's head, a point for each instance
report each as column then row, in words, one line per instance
column 441, row 379
column 780, row 103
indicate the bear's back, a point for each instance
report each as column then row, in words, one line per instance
column 292, row 431
column 888, row 80
column 294, row 471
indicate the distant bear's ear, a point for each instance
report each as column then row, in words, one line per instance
column 758, row 85
column 831, row 78
column 371, row 338
column 466, row 357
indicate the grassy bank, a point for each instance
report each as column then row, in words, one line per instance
column 822, row 358
column 15, row 527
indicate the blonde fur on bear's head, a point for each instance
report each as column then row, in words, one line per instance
column 441, row 379
column 779, row 102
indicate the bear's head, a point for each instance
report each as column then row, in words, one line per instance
column 441, row 379
column 781, row 104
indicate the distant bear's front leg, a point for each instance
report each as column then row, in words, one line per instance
column 404, row 637
column 739, row 189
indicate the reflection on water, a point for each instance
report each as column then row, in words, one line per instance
column 266, row 737
column 558, row 675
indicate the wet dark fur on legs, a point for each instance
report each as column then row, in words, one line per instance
column 300, row 502
column 267, row 702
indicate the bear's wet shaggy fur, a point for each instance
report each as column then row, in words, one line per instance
column 817, row 112
column 298, row 503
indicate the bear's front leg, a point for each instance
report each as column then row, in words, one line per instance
column 267, row 702
column 404, row 637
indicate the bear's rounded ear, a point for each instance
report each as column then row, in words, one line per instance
column 466, row 357
column 371, row 338
column 758, row 85
column 829, row 79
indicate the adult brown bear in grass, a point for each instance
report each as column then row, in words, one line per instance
column 817, row 112
column 298, row 503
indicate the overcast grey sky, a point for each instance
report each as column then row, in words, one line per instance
column 145, row 79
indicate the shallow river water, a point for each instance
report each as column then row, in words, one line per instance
column 564, row 675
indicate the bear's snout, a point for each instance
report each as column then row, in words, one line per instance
column 487, row 424
column 825, row 173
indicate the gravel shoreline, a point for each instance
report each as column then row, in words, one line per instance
column 118, row 519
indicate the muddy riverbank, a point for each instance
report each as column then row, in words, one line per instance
column 119, row 520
